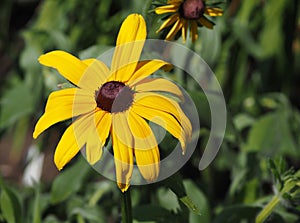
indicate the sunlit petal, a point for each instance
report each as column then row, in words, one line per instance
column 158, row 85
column 144, row 138
column 165, row 104
column 62, row 105
column 164, row 119
column 95, row 74
column 148, row 163
column 123, row 154
column 129, row 46
column 72, row 140
column 213, row 11
column 67, row 65
column 167, row 9
column 173, row 18
column 97, row 135
column 177, row 26
column 146, row 68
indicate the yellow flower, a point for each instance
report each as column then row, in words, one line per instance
column 115, row 102
column 187, row 13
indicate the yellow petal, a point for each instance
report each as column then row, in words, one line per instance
column 205, row 22
column 162, row 103
column 62, row 105
column 164, row 119
column 72, row 140
column 177, row 26
column 194, row 31
column 168, row 22
column 184, row 29
column 121, row 128
column 123, row 154
column 159, row 85
column 67, row 65
column 167, row 9
column 213, row 11
column 148, row 163
column 146, row 68
column 129, row 46
column 95, row 74
column 99, row 131
column 143, row 136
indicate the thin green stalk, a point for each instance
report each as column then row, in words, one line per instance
column 126, row 207
column 267, row 210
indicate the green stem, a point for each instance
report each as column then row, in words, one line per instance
column 126, row 207
column 267, row 210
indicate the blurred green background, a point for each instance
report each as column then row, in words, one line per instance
column 254, row 50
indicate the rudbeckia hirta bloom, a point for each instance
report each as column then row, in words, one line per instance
column 115, row 102
column 187, row 13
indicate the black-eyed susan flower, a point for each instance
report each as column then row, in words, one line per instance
column 115, row 102
column 185, row 14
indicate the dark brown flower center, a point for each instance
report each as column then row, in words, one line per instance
column 192, row 9
column 114, row 96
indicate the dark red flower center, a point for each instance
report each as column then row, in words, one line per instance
column 114, row 96
column 192, row 9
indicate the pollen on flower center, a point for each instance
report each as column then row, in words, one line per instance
column 114, row 96
column 192, row 9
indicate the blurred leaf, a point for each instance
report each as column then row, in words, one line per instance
column 69, row 181
column 197, row 202
column 271, row 134
column 93, row 214
column 10, row 206
column 167, row 199
column 16, row 103
column 242, row 213
column 153, row 213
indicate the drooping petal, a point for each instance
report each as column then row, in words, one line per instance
column 194, row 32
column 184, row 29
column 167, row 9
column 95, row 74
column 67, row 65
column 62, row 105
column 129, row 46
column 146, row 68
column 165, row 104
column 158, row 85
column 145, row 147
column 177, row 26
column 72, row 140
column 123, row 152
column 173, row 18
column 143, row 136
column 213, row 11
column 148, row 163
column 164, row 119
column 205, row 22
column 99, row 131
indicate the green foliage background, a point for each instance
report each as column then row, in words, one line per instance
column 254, row 50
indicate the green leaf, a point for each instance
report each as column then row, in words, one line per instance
column 153, row 213
column 17, row 102
column 197, row 202
column 69, row 181
column 10, row 206
column 271, row 135
column 242, row 213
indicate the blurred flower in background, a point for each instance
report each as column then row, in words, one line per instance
column 184, row 14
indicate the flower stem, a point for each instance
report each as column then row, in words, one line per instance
column 267, row 209
column 126, row 207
